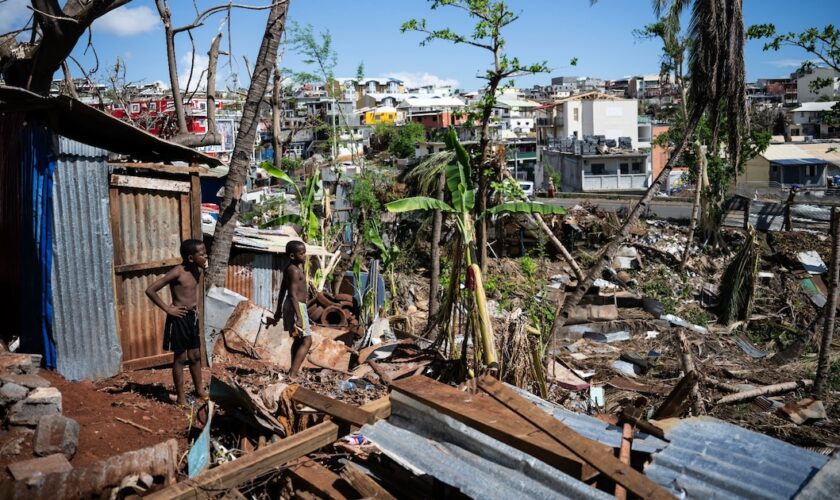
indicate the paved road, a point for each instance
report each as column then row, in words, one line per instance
column 763, row 215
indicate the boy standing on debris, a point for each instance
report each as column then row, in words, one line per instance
column 293, row 308
column 180, row 334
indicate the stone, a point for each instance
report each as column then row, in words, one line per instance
column 56, row 434
column 805, row 411
column 16, row 363
column 25, row 379
column 28, row 469
column 39, row 403
column 12, row 393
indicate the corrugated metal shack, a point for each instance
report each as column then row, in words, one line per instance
column 64, row 266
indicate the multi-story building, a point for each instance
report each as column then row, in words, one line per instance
column 805, row 79
column 592, row 113
column 810, row 119
column 514, row 115
column 432, row 111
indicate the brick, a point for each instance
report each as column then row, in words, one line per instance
column 56, row 434
column 28, row 469
column 25, row 379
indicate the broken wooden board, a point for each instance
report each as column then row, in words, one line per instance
column 320, row 480
column 268, row 458
column 484, row 414
column 629, row 385
column 247, row 408
column 585, row 449
column 677, row 400
column 334, row 408
column 364, row 484
column 563, row 376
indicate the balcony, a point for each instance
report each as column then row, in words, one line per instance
column 613, row 182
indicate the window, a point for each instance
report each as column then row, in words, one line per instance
column 152, row 106
column 637, row 167
column 575, row 114
column 598, row 169
column 135, row 107
column 434, row 118
column 624, row 168
column 812, row 170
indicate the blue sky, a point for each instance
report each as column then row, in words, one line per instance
column 368, row 31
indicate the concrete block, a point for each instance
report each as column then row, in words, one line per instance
column 39, row 403
column 28, row 469
column 25, row 379
column 56, row 434
column 12, row 393
column 16, row 363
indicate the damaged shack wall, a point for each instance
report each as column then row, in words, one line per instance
column 85, row 326
column 256, row 275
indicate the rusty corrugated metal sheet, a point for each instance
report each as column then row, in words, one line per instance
column 84, row 324
column 240, row 277
column 149, row 231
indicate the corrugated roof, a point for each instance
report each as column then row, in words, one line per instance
column 515, row 102
column 828, row 151
column 425, row 441
column 85, row 325
column 784, row 152
column 709, row 458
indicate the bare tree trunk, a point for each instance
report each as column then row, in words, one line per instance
column 241, row 157
column 767, row 390
column 824, row 360
column 276, row 115
column 609, row 251
column 788, row 204
column 169, row 33
column 695, row 207
column 68, row 81
column 434, row 280
column 481, row 195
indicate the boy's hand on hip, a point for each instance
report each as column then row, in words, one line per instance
column 177, row 311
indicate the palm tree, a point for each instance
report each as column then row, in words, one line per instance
column 716, row 72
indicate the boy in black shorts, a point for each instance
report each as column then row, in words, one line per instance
column 181, row 335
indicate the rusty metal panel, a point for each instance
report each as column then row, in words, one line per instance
column 240, row 276
column 84, row 326
column 141, row 322
column 150, row 225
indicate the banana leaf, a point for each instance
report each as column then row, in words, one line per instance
column 525, row 207
column 463, row 198
column 283, row 176
column 285, row 219
column 418, row 203
column 461, row 155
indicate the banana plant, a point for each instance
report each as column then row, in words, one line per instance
column 462, row 194
column 388, row 256
column 313, row 230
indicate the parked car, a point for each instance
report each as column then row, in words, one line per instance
column 528, row 188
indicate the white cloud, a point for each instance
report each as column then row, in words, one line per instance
column 420, row 79
column 13, row 14
column 199, row 73
column 126, row 21
column 786, row 63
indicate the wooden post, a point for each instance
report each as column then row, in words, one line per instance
column 624, row 456
column 197, row 233
column 823, row 367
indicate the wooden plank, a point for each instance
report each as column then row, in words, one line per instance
column 254, row 465
column 364, row 484
column 586, row 449
column 486, row 415
column 197, row 233
column 149, row 183
column 148, row 362
column 144, row 266
column 186, row 222
column 337, row 409
column 676, row 401
column 159, row 167
column 319, row 479
column 116, row 226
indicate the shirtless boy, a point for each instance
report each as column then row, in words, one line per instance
column 181, row 335
column 293, row 308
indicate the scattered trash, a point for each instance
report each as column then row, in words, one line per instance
column 676, row 320
column 607, row 337
column 803, row 412
column 812, row 262
column 626, row 368
column 596, row 396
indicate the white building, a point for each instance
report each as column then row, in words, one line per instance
column 515, row 115
column 808, row 120
column 804, row 80
column 589, row 114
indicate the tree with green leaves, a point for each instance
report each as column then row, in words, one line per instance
column 716, row 71
column 491, row 18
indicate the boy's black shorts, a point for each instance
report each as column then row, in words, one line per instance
column 181, row 334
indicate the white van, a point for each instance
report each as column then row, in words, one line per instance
column 528, row 188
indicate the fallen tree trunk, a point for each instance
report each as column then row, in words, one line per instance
column 767, row 390
column 688, row 366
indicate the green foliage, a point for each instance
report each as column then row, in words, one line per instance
column 405, row 139
column 524, row 207
column 315, row 50
column 418, row 203
column 737, row 286
column 363, row 196
column 823, row 43
column 529, row 267
column 310, row 225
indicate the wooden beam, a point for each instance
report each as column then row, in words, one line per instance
column 148, row 362
column 483, row 413
column 232, row 474
column 364, row 484
column 319, row 479
column 160, row 167
column 587, row 450
column 144, row 266
column 336, row 409
column 676, row 401
column 149, row 183
column 197, row 233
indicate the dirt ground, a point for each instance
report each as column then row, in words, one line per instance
column 142, row 397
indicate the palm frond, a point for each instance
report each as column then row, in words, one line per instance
column 737, row 286
column 423, row 177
